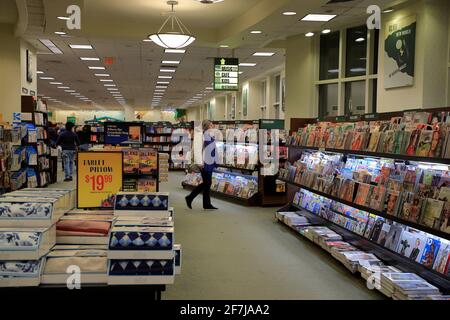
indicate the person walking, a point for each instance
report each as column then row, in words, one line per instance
column 69, row 142
column 209, row 164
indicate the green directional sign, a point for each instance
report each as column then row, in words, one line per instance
column 226, row 74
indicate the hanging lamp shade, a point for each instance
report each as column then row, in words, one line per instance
column 176, row 37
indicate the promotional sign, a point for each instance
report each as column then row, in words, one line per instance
column 123, row 133
column 72, row 119
column 99, row 178
column 399, row 53
column 226, row 74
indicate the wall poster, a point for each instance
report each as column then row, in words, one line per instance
column 399, row 53
column 245, row 101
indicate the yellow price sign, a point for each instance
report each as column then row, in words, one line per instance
column 99, row 178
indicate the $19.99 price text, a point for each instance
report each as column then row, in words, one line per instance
column 97, row 182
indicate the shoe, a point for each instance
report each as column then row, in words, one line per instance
column 70, row 179
column 67, row 179
column 188, row 202
column 210, row 207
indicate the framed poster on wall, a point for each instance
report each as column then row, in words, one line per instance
column 245, row 102
column 29, row 65
column 233, row 107
column 99, row 178
column 399, row 53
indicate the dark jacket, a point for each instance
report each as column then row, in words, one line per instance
column 68, row 140
column 209, row 168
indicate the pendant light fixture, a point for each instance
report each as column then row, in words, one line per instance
column 175, row 38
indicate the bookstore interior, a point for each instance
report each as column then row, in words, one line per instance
column 327, row 121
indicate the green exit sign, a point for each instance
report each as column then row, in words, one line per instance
column 226, row 74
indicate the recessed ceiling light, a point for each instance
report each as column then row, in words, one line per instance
column 309, row 34
column 289, row 13
column 174, row 51
column 47, row 78
column 318, row 17
column 263, row 54
column 209, row 88
column 165, row 77
column 89, row 59
column 112, row 89
column 63, row 18
column 63, row 87
column 81, row 46
column 161, row 87
column 102, row 75
column 224, row 46
column 69, row 90
column 247, row 64
column 51, row 46
column 167, row 70
column 256, row 32
column 163, row 82
column 388, row 10
column 360, row 39
column 60, row 32
column 325, row 31
column 39, row 72
column 55, row 82
column 160, row 90
column 170, row 62
column 74, row 93
column 106, row 80
column 109, row 85
column 147, row 40
column 96, row 68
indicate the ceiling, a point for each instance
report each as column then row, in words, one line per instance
column 116, row 28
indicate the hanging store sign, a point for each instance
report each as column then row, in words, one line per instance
column 226, row 74
column 99, row 178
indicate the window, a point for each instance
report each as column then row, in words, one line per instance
column 328, row 100
column 329, row 56
column 348, row 72
column 356, row 49
column 355, row 97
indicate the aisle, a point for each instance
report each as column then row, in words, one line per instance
column 242, row 253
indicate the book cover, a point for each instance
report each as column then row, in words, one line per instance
column 148, row 161
column 377, row 198
column 393, row 237
column 430, row 252
column 411, row 245
column 147, row 184
column 130, row 161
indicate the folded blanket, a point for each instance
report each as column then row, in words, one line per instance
column 82, row 228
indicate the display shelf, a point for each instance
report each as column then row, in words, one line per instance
column 252, row 201
column 236, row 168
column 389, row 257
column 376, row 155
column 414, row 225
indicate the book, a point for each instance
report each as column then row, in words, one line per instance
column 147, row 184
column 430, row 252
column 131, row 161
column 148, row 161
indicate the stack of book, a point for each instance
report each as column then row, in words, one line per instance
column 163, row 167
column 406, row 286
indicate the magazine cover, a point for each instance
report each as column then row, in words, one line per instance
column 412, row 245
column 382, row 237
column 432, row 213
column 376, row 230
column 393, row 237
column 373, row 142
column 397, row 142
column 377, row 198
column 436, row 144
column 391, row 202
column 424, row 144
column 430, row 252
column 441, row 263
column 346, row 191
column 357, row 141
column 413, row 142
column 388, row 142
column 363, row 194
column 411, row 209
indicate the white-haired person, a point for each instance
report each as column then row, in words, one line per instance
column 209, row 164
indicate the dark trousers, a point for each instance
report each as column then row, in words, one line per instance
column 205, row 186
